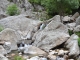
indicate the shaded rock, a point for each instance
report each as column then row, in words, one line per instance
column 2, row 50
column 72, row 45
column 73, row 18
column 10, row 35
column 2, row 15
column 3, row 57
column 77, row 28
column 78, row 21
column 54, row 34
column 32, row 50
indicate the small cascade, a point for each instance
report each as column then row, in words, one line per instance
column 42, row 26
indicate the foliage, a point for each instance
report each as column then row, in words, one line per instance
column 1, row 28
column 12, row 10
column 18, row 58
column 70, row 32
column 77, row 33
column 59, row 6
column 79, row 41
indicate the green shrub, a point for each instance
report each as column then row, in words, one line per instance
column 70, row 32
column 58, row 6
column 19, row 58
column 79, row 41
column 77, row 33
column 1, row 28
column 12, row 10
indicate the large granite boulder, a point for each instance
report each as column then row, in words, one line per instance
column 54, row 34
column 10, row 35
column 23, row 25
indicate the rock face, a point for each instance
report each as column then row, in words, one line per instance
column 26, row 27
column 2, row 50
column 10, row 35
column 3, row 5
column 72, row 44
column 54, row 34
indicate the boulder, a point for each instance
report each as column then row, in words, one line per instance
column 72, row 45
column 2, row 50
column 54, row 34
column 71, row 26
column 10, row 35
column 2, row 57
column 77, row 28
column 73, row 18
column 24, row 26
column 78, row 21
column 34, row 51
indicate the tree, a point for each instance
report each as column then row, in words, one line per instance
column 59, row 6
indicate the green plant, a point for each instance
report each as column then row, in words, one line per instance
column 77, row 33
column 59, row 6
column 12, row 10
column 1, row 28
column 79, row 41
column 19, row 58
column 70, row 32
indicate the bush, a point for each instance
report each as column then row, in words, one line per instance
column 1, row 28
column 79, row 41
column 19, row 58
column 59, row 6
column 12, row 10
